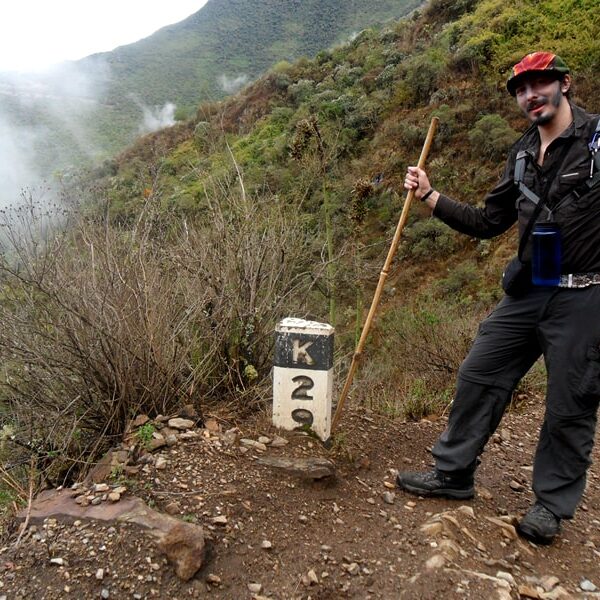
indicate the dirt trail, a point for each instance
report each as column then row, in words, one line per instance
column 280, row 537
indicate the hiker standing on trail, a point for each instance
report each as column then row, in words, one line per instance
column 551, row 186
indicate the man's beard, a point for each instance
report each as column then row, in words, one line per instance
column 554, row 101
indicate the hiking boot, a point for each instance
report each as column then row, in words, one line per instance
column 539, row 525
column 436, row 483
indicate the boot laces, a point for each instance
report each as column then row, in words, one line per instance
column 540, row 511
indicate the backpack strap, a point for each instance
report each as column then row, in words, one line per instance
column 594, row 178
column 520, row 167
column 594, row 147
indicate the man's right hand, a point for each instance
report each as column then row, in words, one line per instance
column 416, row 179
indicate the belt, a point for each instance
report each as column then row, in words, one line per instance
column 579, row 280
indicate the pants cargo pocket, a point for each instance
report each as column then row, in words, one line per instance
column 589, row 387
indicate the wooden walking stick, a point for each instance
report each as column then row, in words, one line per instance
column 382, row 277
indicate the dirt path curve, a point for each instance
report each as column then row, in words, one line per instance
column 272, row 535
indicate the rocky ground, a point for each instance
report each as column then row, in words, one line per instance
column 271, row 533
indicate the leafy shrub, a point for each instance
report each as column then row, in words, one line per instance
column 491, row 137
column 145, row 434
column 386, row 78
column 408, row 135
column 476, row 53
column 449, row 10
column 364, row 117
column 428, row 239
column 419, row 77
column 344, row 76
column 301, row 90
column 447, row 123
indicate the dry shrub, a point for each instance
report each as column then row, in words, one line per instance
column 412, row 372
column 101, row 322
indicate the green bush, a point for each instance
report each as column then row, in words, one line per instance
column 491, row 137
column 419, row 77
column 429, row 239
column 301, row 90
column 145, row 434
column 449, row 10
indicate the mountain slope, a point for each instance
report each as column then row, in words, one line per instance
column 91, row 108
column 330, row 139
column 278, row 201
column 235, row 38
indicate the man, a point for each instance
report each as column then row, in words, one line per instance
column 561, row 323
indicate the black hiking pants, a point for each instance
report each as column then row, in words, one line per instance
column 564, row 326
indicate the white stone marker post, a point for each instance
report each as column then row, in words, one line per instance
column 303, row 376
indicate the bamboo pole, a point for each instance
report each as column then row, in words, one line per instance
column 382, row 277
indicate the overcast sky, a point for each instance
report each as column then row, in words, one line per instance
column 35, row 34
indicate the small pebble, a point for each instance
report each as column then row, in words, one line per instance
column 389, row 497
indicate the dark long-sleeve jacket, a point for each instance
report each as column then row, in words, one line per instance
column 577, row 217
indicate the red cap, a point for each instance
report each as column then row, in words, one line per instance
column 536, row 62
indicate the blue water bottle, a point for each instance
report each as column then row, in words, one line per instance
column 546, row 254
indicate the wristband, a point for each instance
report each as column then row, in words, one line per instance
column 427, row 195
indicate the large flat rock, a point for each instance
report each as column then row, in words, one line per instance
column 183, row 543
column 60, row 505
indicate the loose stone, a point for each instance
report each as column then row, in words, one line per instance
column 253, row 444
column 389, row 497
column 219, row 520
column 506, row 577
column 587, row 586
column 179, row 423
column 278, row 442
column 435, row 562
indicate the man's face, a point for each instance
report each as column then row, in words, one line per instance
column 539, row 97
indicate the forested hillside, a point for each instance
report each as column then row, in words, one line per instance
column 230, row 40
column 330, row 139
column 89, row 109
column 164, row 286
